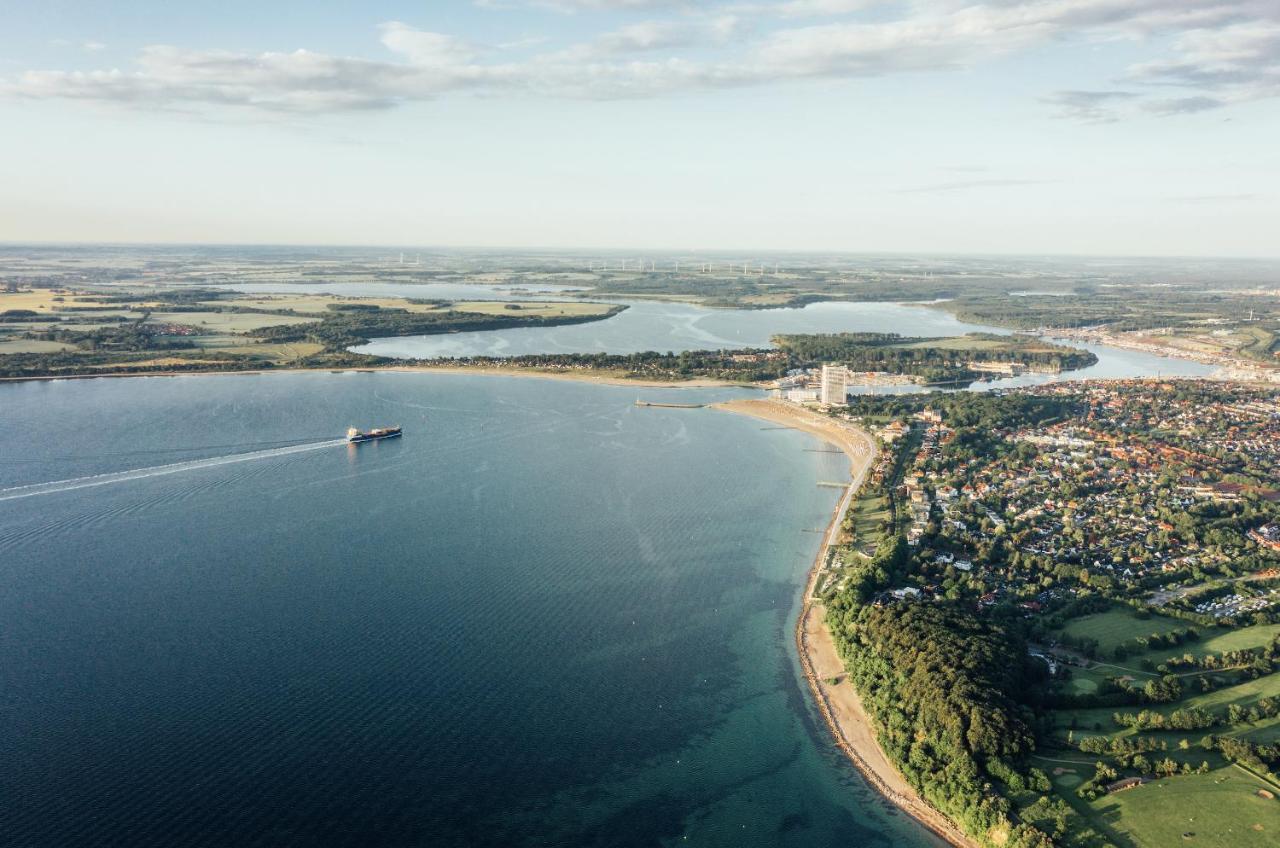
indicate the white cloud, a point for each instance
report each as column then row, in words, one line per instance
column 88, row 46
column 967, row 185
column 1235, row 64
column 651, row 36
column 1090, row 107
column 1223, row 52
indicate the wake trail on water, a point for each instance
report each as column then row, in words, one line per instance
column 55, row 486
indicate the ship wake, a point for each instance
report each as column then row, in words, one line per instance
column 55, row 486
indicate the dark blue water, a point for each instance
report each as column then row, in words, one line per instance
column 543, row 617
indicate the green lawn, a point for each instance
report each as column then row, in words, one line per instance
column 1221, row 809
column 1212, row 641
column 1265, row 732
column 1120, row 625
column 868, row 515
column 1244, row 694
column 1083, row 683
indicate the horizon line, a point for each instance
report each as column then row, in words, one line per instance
column 582, row 250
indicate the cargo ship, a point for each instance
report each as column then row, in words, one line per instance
column 354, row 435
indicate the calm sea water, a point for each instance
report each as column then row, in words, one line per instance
column 543, row 617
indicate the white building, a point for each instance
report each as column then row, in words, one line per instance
column 835, row 380
column 803, row 395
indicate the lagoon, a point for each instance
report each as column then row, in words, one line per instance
column 677, row 327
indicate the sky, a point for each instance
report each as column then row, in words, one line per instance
column 1105, row 127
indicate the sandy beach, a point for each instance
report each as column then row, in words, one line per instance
column 836, row 697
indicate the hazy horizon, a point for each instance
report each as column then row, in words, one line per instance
column 631, row 252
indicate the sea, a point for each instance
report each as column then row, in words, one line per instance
column 545, row 616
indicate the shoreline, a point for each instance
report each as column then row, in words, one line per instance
column 838, row 701
column 1226, row 367
column 571, row 376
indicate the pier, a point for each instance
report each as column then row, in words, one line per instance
column 670, row 405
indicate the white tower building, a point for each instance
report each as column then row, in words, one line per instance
column 835, row 380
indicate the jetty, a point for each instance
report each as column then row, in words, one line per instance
column 670, row 405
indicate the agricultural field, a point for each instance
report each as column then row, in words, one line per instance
column 58, row 331
column 276, row 351
column 226, row 322
column 11, row 345
column 319, row 304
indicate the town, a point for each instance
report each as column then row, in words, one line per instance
column 1117, row 546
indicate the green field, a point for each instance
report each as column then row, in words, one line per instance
column 869, row 513
column 226, row 322
column 1118, row 626
column 1265, row 732
column 318, row 305
column 1221, row 809
column 32, row 346
column 1245, row 694
column 1083, row 682
column 1260, row 343
column 1212, row 641
column 959, row 343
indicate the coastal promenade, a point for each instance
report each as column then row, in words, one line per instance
column 835, row 695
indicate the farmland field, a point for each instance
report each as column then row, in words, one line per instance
column 227, row 322
column 31, row 346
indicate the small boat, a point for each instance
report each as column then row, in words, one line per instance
column 354, row 435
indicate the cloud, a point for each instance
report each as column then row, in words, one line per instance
column 600, row 5
column 654, row 36
column 87, row 46
column 1219, row 52
column 1090, row 107
column 1183, row 105
column 426, row 49
column 966, row 185
column 1235, row 64
column 1214, row 198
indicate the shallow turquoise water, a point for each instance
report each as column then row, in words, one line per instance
column 543, row 617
